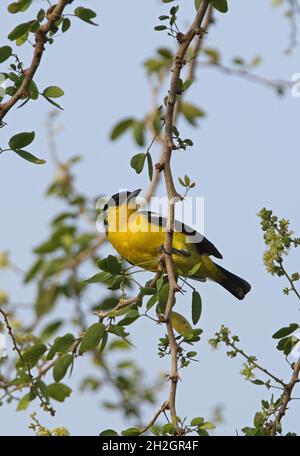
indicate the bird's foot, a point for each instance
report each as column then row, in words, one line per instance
column 174, row 251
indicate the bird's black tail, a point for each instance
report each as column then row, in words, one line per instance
column 234, row 284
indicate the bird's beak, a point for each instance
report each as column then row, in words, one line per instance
column 133, row 194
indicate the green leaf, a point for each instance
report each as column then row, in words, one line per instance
column 257, row 382
column 286, row 331
column 35, row 26
column 33, row 90
column 61, row 345
column 196, row 307
column 41, row 15
column 103, row 342
column 19, row 31
column 181, row 182
column 52, row 102
column 99, row 277
column 148, row 291
column 154, row 66
column 155, row 430
column 59, row 391
column 113, row 265
column 120, row 128
column 33, row 354
column 208, row 426
column 24, row 403
column 130, row 318
column 43, row 388
column 131, row 431
column 159, row 283
column 47, row 247
column 287, row 344
column 108, row 432
column 50, row 329
column 139, row 132
column 163, row 296
column 19, row 6
column 29, row 157
column 220, row 5
column 187, row 181
column 191, row 112
column 137, row 162
column 66, row 24
column 61, row 366
column 118, row 331
column 213, row 54
column 180, row 324
column 187, row 84
column 21, row 140
column 249, row 431
column 167, row 428
column 165, row 53
column 53, row 92
column 85, row 14
column 159, row 28
column 5, row 53
column 191, row 354
column 150, row 166
column 153, row 300
column 189, row 142
column 197, row 421
column 92, row 337
column 33, row 270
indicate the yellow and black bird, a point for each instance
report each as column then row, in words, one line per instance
column 139, row 237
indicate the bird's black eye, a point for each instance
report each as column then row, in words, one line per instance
column 105, row 207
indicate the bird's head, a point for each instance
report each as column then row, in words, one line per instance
column 119, row 208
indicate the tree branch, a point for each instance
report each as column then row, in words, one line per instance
column 276, row 84
column 286, row 397
column 162, row 409
column 178, row 62
column 53, row 14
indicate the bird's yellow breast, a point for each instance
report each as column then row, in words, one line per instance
column 140, row 243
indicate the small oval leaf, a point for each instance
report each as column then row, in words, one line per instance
column 21, row 140
column 92, row 337
column 137, row 162
column 196, row 307
column 53, row 92
column 61, row 366
column 180, row 324
column 5, row 53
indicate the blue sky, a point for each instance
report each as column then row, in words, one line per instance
column 245, row 156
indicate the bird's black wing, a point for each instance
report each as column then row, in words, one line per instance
column 203, row 245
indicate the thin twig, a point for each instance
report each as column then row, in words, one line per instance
column 44, row 402
column 254, row 363
column 53, row 14
column 246, row 74
column 286, row 274
column 162, row 409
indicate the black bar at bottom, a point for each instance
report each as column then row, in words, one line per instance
column 143, row 445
